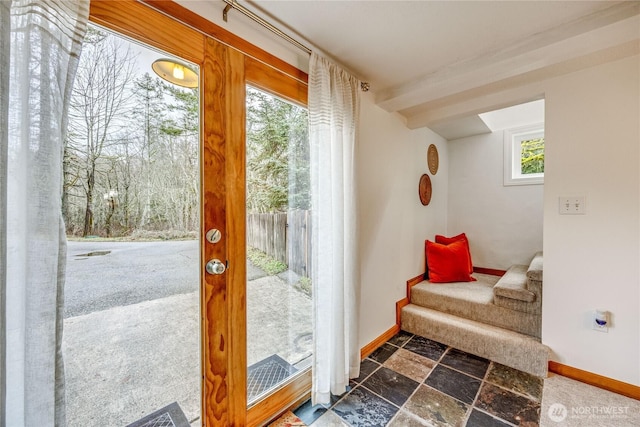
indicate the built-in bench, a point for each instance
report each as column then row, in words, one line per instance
column 499, row 318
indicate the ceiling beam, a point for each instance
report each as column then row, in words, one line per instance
column 594, row 33
column 510, row 91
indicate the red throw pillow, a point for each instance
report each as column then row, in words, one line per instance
column 460, row 237
column 448, row 263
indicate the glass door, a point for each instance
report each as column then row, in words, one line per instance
column 279, row 298
column 224, row 74
column 131, row 340
column 221, row 335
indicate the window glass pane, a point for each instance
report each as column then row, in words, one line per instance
column 131, row 200
column 532, row 156
column 524, row 155
column 279, row 333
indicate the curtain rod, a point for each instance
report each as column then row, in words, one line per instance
column 233, row 4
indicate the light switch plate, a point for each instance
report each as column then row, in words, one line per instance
column 573, row 205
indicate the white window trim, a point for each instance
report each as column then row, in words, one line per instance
column 512, row 155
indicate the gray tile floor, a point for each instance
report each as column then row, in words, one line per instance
column 412, row 381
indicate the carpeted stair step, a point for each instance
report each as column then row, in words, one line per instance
column 509, row 348
column 474, row 301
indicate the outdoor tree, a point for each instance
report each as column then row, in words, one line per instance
column 131, row 156
column 278, row 182
column 97, row 114
column 181, row 132
column 126, row 183
column 277, row 154
column 149, row 114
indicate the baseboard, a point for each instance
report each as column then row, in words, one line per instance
column 596, row 380
column 490, row 271
column 373, row 345
column 482, row 270
column 405, row 301
column 399, row 305
column 414, row 281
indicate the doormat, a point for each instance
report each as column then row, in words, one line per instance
column 263, row 375
column 169, row 416
column 289, row 419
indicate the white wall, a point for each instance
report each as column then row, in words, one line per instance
column 592, row 261
column 393, row 222
column 592, row 148
column 592, row 139
column 503, row 224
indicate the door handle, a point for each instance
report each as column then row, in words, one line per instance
column 215, row 266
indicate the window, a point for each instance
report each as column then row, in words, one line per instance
column 524, row 155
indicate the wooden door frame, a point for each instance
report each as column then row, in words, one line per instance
column 227, row 63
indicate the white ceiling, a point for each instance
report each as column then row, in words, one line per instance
column 419, row 55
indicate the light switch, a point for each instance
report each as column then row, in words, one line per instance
column 574, row 205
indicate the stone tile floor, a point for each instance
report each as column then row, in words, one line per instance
column 412, row 381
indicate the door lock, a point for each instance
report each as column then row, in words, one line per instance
column 213, row 236
column 215, row 266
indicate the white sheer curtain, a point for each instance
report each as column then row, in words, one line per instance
column 334, row 107
column 37, row 70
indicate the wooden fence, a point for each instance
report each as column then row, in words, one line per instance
column 284, row 236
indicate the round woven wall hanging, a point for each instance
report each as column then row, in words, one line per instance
column 432, row 159
column 424, row 189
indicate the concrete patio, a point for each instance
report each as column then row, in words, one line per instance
column 127, row 361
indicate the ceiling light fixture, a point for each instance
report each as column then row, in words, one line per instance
column 175, row 72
